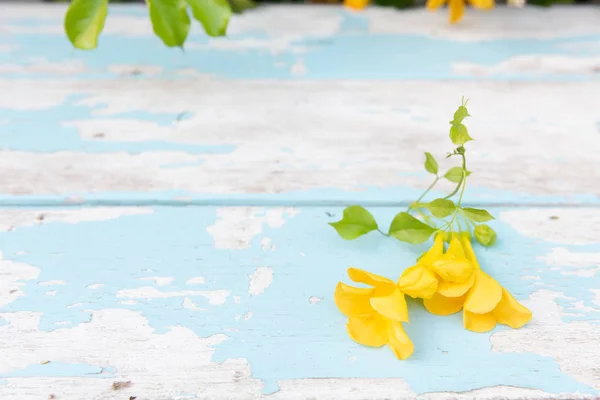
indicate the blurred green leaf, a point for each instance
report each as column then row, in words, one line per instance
column 84, row 22
column 170, row 21
column 212, row 14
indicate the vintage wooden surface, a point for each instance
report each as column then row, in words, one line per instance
column 164, row 214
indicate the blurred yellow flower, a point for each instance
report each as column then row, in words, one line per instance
column 457, row 7
column 484, row 302
column 356, row 4
column 375, row 314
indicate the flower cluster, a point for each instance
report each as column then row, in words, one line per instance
column 447, row 280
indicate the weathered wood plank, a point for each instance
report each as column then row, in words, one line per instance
column 236, row 302
column 198, row 139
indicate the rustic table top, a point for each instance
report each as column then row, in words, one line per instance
column 164, row 213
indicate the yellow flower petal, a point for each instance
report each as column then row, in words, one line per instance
column 453, row 270
column 455, row 249
column 362, row 276
column 418, row 281
column 470, row 253
column 369, row 331
column 440, row 305
column 457, row 10
column 392, row 306
column 482, row 4
column 452, row 289
column 353, row 301
column 356, row 4
column 485, row 294
column 510, row 312
column 433, row 5
column 478, row 322
column 434, row 252
column 399, row 341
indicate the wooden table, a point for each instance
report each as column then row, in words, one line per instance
column 164, row 213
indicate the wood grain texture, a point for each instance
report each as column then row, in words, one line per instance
column 163, row 215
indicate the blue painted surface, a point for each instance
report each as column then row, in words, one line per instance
column 367, row 196
column 309, row 261
column 44, row 131
column 351, row 53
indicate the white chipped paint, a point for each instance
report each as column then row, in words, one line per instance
column 159, row 280
column 267, row 244
column 314, row 299
column 50, row 293
column 574, row 345
column 215, row 297
column 299, row 68
column 260, row 279
column 112, row 129
column 185, row 359
column 236, row 299
column 196, row 280
column 94, row 286
column 127, row 302
column 14, row 276
column 572, row 262
column 317, row 141
column 14, row 218
column 237, row 226
column 37, row 65
column 597, row 293
column 52, row 283
column 538, row 223
column 532, row 64
column 188, row 304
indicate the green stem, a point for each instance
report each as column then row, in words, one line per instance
column 383, row 233
column 410, row 207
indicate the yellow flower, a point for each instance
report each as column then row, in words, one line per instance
column 484, row 302
column 375, row 315
column 457, row 7
column 356, row 4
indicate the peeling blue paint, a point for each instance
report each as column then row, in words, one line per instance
column 351, row 53
column 369, row 196
column 309, row 261
column 43, row 131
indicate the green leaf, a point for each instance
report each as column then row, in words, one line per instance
column 459, row 134
column 460, row 115
column 430, row 164
column 170, row 21
column 477, row 215
column 485, row 235
column 84, row 21
column 454, row 174
column 356, row 222
column 441, row 208
column 407, row 228
column 212, row 14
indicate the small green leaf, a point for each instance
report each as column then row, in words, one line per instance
column 356, row 222
column 477, row 215
column 84, row 21
column 454, row 174
column 170, row 21
column 441, row 208
column 459, row 134
column 212, row 14
column 485, row 235
column 407, row 228
column 430, row 164
column 460, row 115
